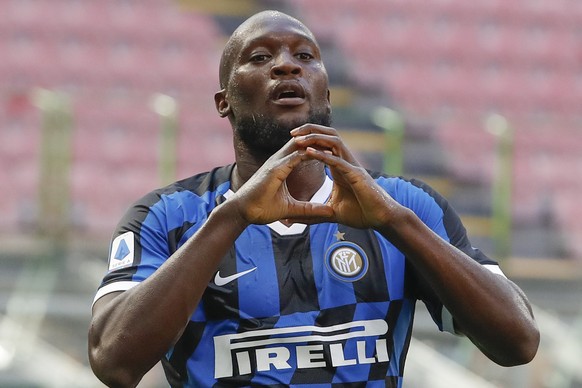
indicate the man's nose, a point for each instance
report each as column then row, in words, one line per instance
column 285, row 65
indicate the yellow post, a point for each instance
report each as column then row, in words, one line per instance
column 167, row 108
column 393, row 125
column 502, row 185
column 55, row 160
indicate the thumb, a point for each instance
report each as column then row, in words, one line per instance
column 310, row 213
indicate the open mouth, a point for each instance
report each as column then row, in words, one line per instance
column 288, row 94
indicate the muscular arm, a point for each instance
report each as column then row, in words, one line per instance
column 131, row 331
column 491, row 310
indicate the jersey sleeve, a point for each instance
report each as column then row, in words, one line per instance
column 138, row 247
column 437, row 213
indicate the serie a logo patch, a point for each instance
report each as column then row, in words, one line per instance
column 122, row 251
column 346, row 261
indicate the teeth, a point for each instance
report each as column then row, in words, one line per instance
column 292, row 92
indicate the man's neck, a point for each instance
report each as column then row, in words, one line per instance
column 306, row 179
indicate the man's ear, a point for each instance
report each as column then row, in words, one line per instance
column 222, row 105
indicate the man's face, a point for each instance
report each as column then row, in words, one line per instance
column 277, row 82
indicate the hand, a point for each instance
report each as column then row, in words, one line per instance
column 356, row 199
column 265, row 198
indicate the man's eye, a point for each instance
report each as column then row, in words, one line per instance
column 259, row 58
column 304, row 56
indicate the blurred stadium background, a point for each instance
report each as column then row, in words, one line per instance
column 102, row 101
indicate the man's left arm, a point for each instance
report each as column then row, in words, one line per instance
column 488, row 308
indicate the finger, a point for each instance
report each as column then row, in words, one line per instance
column 310, row 213
column 320, row 136
column 311, row 221
column 340, row 168
column 319, row 141
column 274, row 172
column 327, row 142
column 288, row 148
column 283, row 165
column 307, row 129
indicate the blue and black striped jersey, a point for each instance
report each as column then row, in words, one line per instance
column 321, row 305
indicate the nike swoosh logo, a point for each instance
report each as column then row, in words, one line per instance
column 221, row 281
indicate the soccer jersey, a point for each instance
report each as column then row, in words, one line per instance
column 302, row 305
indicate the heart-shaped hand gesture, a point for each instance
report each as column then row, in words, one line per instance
column 356, row 199
column 265, row 197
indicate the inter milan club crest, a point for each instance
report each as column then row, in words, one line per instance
column 346, row 261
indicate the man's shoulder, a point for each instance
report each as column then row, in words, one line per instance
column 405, row 188
column 199, row 185
column 399, row 180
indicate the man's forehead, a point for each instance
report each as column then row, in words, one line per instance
column 271, row 23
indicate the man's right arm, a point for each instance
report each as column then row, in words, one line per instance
column 131, row 331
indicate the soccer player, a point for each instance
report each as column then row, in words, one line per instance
column 294, row 266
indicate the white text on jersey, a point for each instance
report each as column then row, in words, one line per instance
column 262, row 346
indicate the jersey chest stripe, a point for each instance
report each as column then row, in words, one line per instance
column 258, row 291
column 294, row 267
column 372, row 287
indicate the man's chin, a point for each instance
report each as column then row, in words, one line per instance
column 288, row 121
column 268, row 144
column 266, row 136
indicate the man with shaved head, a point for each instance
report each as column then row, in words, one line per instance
column 293, row 266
